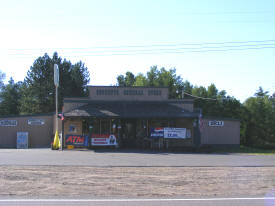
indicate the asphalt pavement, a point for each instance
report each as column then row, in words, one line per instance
column 105, row 158
column 145, row 202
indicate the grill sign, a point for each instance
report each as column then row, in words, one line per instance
column 6, row 123
column 215, row 123
column 76, row 140
column 36, row 122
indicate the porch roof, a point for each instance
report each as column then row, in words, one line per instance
column 138, row 109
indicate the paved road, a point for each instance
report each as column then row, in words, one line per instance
column 148, row 202
column 131, row 159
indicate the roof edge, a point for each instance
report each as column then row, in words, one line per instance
column 187, row 101
column 27, row 115
column 220, row 118
column 114, row 86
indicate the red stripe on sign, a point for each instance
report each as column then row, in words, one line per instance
column 99, row 143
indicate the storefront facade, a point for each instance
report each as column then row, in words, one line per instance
column 130, row 117
column 124, row 117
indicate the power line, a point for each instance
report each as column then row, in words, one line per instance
column 233, row 12
column 179, row 49
column 152, row 45
column 219, row 47
column 179, row 52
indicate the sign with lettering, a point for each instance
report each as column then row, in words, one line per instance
column 177, row 133
column 103, row 140
column 76, row 140
column 8, row 123
column 216, row 123
column 22, row 140
column 156, row 132
column 36, row 122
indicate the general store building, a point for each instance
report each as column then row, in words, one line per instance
column 142, row 117
column 125, row 117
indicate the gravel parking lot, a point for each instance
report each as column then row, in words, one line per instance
column 135, row 182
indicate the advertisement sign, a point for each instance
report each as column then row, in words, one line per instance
column 76, row 140
column 7, row 123
column 56, row 75
column 103, row 140
column 177, row 133
column 156, row 132
column 215, row 123
column 36, row 122
column 22, row 140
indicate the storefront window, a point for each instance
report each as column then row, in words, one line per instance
column 96, row 126
column 100, row 126
column 105, row 126
column 159, row 123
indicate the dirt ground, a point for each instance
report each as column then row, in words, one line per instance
column 135, row 182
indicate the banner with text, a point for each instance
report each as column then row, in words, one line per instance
column 176, row 133
column 103, row 140
column 76, row 140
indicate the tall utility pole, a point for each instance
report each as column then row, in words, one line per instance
column 56, row 83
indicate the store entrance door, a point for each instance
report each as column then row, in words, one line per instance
column 128, row 138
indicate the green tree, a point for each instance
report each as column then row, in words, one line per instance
column 2, row 77
column 187, row 87
column 155, row 78
column 152, row 77
column 126, row 81
column 140, row 80
column 121, row 81
column 260, row 123
column 10, row 96
column 38, row 90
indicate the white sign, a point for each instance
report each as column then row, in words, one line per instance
column 36, row 122
column 215, row 123
column 56, row 75
column 7, row 123
column 22, row 140
column 177, row 133
column 103, row 140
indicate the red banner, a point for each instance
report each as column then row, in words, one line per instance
column 77, row 140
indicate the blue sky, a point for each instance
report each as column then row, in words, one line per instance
column 100, row 34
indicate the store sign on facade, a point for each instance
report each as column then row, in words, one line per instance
column 36, row 122
column 216, row 123
column 76, row 140
column 103, row 140
column 8, row 123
